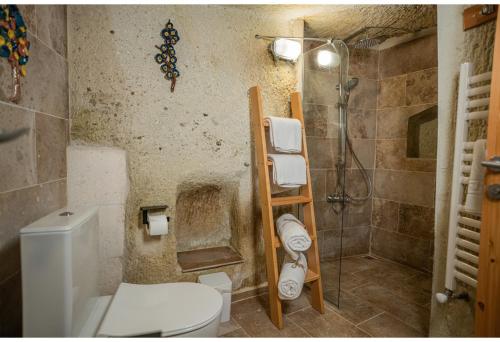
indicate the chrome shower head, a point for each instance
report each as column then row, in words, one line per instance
column 351, row 84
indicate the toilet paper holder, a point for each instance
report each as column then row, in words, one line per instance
column 145, row 210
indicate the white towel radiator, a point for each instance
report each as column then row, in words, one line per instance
column 463, row 236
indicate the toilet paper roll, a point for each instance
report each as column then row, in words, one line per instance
column 158, row 223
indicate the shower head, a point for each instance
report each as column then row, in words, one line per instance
column 371, row 36
column 351, row 84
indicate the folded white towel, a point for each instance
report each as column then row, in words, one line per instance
column 289, row 171
column 285, row 134
column 293, row 235
column 292, row 276
column 474, row 197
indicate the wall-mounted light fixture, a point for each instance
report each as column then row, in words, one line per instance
column 327, row 59
column 286, row 49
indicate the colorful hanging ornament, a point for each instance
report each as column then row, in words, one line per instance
column 167, row 57
column 14, row 45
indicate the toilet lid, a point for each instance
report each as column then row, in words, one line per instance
column 169, row 309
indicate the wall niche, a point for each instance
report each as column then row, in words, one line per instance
column 204, row 226
column 422, row 134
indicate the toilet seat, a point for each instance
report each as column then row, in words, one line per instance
column 166, row 309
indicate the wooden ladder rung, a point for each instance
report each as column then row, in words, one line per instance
column 289, row 200
column 311, row 276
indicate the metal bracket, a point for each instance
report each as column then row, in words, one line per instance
column 493, row 164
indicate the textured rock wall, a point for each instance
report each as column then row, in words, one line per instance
column 199, row 135
column 455, row 47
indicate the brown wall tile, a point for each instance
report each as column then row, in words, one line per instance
column 355, row 241
column 51, row 147
column 408, row 57
column 45, row 87
column 391, row 154
column 29, row 16
column 393, row 122
column 401, row 248
column 321, row 152
column 51, row 26
column 364, row 96
column 416, row 221
column 318, row 182
column 385, row 214
column 319, row 88
column 363, row 63
column 17, row 157
column 391, row 92
column 18, row 209
column 315, row 120
column 361, row 123
column 421, row 87
column 405, row 186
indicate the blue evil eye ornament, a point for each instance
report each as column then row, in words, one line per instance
column 14, row 45
column 166, row 58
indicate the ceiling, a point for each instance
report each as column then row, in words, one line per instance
column 339, row 21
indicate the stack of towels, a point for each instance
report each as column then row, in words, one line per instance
column 285, row 135
column 296, row 241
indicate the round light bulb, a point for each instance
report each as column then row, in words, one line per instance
column 328, row 58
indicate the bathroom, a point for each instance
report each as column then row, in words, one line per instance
column 107, row 130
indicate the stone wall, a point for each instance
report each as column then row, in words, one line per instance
column 176, row 142
column 403, row 203
column 33, row 167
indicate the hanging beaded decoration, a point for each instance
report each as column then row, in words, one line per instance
column 14, row 45
column 167, row 57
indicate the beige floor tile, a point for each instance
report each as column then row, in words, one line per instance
column 385, row 325
column 330, row 324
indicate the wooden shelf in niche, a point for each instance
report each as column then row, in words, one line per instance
column 206, row 258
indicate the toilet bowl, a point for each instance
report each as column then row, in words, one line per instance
column 172, row 309
column 60, row 266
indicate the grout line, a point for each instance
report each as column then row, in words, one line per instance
column 9, row 277
column 30, row 109
column 366, row 320
column 33, row 185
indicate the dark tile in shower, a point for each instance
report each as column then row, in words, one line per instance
column 318, row 182
column 391, row 92
column 401, row 248
column 363, row 63
column 393, row 122
column 365, row 151
column 355, row 241
column 364, row 96
column 361, row 123
column 424, row 165
column 421, row 87
column 319, row 87
column 359, row 214
column 408, row 57
column 315, row 120
column 391, row 154
column 405, row 186
column 326, row 218
column 321, row 152
column 416, row 221
column 385, row 214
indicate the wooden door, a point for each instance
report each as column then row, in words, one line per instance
column 487, row 320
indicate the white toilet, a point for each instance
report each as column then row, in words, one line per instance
column 60, row 267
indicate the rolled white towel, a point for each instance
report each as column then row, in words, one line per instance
column 289, row 170
column 293, row 235
column 474, row 197
column 292, row 276
column 285, row 134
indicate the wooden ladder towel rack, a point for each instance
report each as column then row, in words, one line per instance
column 267, row 202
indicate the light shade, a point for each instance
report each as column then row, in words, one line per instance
column 327, row 58
column 286, row 49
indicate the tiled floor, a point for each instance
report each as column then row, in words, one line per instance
column 378, row 298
